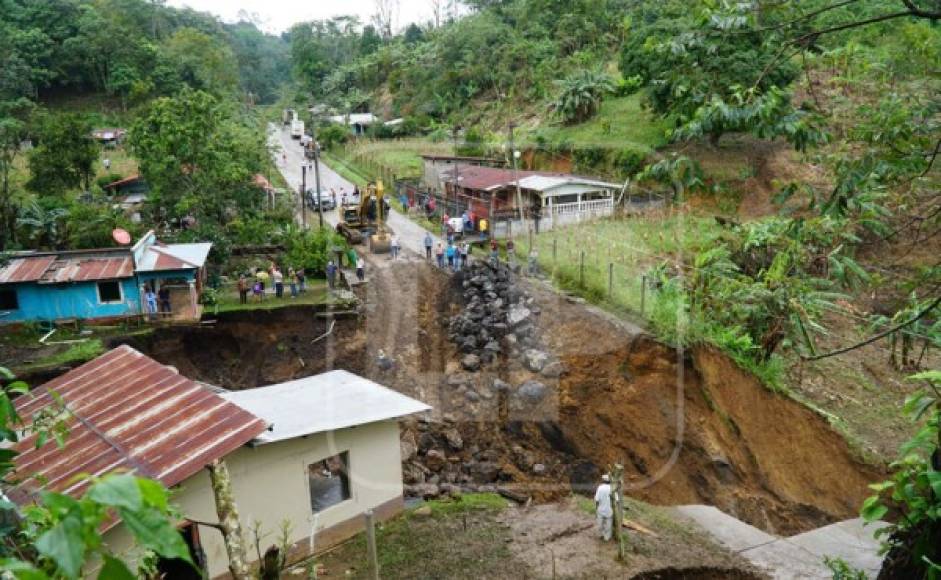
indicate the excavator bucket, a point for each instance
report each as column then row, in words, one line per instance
column 380, row 243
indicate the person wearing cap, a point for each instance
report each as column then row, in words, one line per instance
column 603, row 508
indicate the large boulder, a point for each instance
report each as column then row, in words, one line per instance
column 471, row 362
column 518, row 315
column 435, row 460
column 553, row 370
column 535, row 360
column 484, row 471
column 454, row 439
column 531, row 393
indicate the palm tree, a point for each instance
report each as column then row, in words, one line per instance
column 581, row 95
column 42, row 224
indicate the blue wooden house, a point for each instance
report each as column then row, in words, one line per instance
column 105, row 284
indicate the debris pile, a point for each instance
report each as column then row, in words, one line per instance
column 497, row 318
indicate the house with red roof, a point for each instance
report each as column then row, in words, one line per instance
column 316, row 453
column 545, row 198
column 103, row 284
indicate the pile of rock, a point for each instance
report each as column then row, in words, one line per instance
column 497, row 316
column 438, row 461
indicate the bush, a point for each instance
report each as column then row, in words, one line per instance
column 629, row 161
column 311, row 249
column 580, row 95
column 332, row 135
column 108, row 179
column 587, row 158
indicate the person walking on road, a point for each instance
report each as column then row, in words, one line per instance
column 439, row 253
column 361, row 269
column 331, row 275
column 395, row 247
column 428, row 243
column 603, row 508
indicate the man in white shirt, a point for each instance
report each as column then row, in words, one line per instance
column 603, row 508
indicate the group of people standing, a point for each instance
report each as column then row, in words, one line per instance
column 157, row 302
column 454, row 255
column 257, row 281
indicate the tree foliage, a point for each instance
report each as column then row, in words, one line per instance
column 60, row 536
column 64, row 156
column 580, row 95
column 199, row 157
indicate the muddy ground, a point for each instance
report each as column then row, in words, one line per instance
column 690, row 427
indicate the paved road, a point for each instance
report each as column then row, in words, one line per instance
column 411, row 235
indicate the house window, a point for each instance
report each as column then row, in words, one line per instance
column 8, row 299
column 329, row 481
column 109, row 292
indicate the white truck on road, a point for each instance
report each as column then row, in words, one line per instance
column 297, row 129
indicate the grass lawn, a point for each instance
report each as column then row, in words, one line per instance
column 229, row 298
column 460, row 539
column 627, row 248
column 620, row 123
column 401, row 157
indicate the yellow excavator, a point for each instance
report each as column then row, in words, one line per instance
column 367, row 218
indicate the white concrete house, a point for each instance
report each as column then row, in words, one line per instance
column 313, row 454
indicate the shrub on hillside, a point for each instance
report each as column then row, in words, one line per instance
column 580, row 96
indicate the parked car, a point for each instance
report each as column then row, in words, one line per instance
column 314, row 200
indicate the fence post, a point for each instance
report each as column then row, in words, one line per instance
column 581, row 270
column 554, row 248
column 610, row 278
column 643, row 292
column 371, row 546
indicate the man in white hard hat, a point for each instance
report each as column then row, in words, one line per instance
column 603, row 508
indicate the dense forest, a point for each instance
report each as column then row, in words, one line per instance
column 70, row 66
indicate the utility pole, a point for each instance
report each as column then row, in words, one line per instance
column 516, row 174
column 317, row 178
column 304, row 194
column 457, row 167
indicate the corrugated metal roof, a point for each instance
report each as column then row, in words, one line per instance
column 28, row 269
column 129, row 412
column 80, row 269
column 546, row 182
column 174, row 257
column 325, row 402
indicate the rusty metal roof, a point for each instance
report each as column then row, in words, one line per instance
column 129, row 412
column 79, row 269
column 28, row 269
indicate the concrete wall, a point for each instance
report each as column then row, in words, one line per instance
column 76, row 300
column 270, row 485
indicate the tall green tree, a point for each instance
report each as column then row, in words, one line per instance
column 199, row 157
column 64, row 156
column 14, row 114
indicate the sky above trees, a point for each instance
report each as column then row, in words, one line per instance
column 276, row 16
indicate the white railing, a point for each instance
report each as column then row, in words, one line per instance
column 595, row 207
